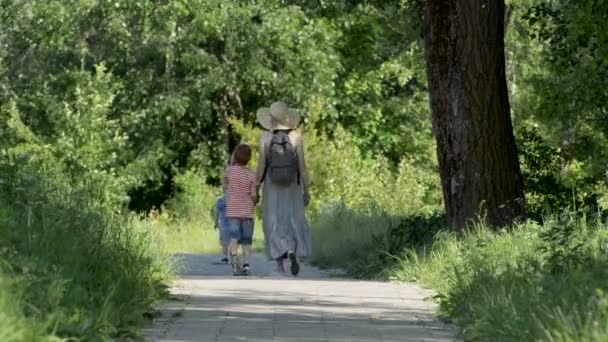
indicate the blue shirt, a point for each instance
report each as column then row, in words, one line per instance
column 220, row 206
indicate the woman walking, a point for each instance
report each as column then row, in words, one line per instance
column 282, row 175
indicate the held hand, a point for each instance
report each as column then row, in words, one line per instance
column 306, row 199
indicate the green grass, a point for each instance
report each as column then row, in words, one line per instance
column 523, row 285
column 535, row 282
column 342, row 237
column 185, row 225
column 71, row 268
column 14, row 326
column 194, row 235
column 363, row 242
column 184, row 237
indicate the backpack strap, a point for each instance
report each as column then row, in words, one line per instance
column 265, row 170
column 267, row 154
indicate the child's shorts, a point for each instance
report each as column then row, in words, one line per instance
column 241, row 229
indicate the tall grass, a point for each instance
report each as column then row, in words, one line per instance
column 343, row 237
column 535, row 282
column 14, row 325
column 71, row 266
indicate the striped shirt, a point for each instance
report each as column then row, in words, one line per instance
column 241, row 189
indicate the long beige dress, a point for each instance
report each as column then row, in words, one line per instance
column 285, row 225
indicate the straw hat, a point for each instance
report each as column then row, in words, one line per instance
column 278, row 117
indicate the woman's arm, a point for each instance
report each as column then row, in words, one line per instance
column 261, row 160
column 302, row 168
column 254, row 190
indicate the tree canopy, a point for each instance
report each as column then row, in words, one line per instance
column 142, row 90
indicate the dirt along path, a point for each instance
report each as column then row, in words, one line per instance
column 212, row 305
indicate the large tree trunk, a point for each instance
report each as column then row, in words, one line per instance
column 480, row 174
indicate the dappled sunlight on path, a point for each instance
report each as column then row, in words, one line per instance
column 212, row 305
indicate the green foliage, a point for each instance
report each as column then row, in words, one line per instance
column 176, row 72
column 557, row 72
column 14, row 326
column 552, row 182
column 381, row 87
column 173, row 73
column 109, row 103
column 412, row 233
column 77, row 268
column 541, row 165
column 533, row 283
column 195, row 198
column 562, row 244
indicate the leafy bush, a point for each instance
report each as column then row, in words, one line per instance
column 541, row 165
column 557, row 76
column 79, row 268
column 552, row 183
column 185, row 223
column 195, row 199
column 343, row 237
column 87, row 272
column 562, row 247
column 413, row 232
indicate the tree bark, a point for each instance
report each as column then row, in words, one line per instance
column 480, row 174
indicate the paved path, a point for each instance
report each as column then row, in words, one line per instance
column 211, row 305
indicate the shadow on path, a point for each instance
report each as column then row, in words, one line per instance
column 212, row 305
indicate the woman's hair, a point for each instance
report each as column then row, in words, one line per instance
column 242, row 154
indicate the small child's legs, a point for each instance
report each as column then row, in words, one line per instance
column 234, row 256
column 234, row 247
column 241, row 232
column 247, row 239
column 246, row 254
column 225, row 242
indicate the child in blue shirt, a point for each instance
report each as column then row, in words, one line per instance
column 221, row 223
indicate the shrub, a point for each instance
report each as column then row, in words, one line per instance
column 185, row 224
column 552, row 181
column 342, row 237
column 79, row 268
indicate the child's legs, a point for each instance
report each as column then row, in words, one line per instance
column 246, row 238
column 225, row 239
column 234, row 227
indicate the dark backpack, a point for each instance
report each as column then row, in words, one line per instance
column 281, row 160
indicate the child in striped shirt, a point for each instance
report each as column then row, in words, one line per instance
column 241, row 198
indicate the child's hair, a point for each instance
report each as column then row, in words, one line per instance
column 242, row 154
